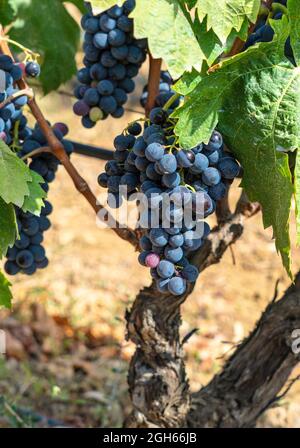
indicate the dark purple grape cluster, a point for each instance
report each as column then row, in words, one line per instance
column 265, row 33
column 28, row 255
column 112, row 59
column 165, row 91
column 190, row 181
column 45, row 164
column 11, row 103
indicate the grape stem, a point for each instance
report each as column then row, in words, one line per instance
column 16, row 44
column 37, row 151
column 57, row 149
column 24, row 92
column 153, row 83
column 171, row 101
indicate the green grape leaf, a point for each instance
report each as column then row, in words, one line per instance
column 5, row 292
column 191, row 3
column 8, row 227
column 34, row 202
column 102, row 5
column 14, row 176
column 187, row 83
column 297, row 194
column 209, row 42
column 264, row 122
column 7, row 12
column 212, row 48
column 223, row 16
column 294, row 16
column 47, row 27
column 170, row 34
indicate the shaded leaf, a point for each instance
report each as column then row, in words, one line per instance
column 14, row 177
column 297, row 194
column 47, row 27
column 209, row 42
column 223, row 16
column 7, row 12
column 187, row 83
column 34, row 202
column 294, row 16
column 170, row 34
column 8, row 227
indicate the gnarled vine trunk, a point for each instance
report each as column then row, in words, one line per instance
column 255, row 374
column 251, row 378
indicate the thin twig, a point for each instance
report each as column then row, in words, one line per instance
column 275, row 291
column 288, row 388
column 24, row 92
column 36, row 152
column 232, row 255
column 188, row 336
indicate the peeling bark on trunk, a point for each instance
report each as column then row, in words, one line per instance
column 157, row 379
column 253, row 377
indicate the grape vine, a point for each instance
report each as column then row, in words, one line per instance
column 232, row 112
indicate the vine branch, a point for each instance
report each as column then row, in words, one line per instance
column 58, row 151
column 252, row 378
column 153, row 83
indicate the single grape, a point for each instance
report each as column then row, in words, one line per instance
column 24, row 259
column 158, row 237
column 173, row 254
column 177, row 286
column 165, row 269
column 190, row 273
column 152, row 260
column 33, row 69
column 105, row 87
column 108, row 104
column 168, row 164
column 211, row 176
column 228, row 168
